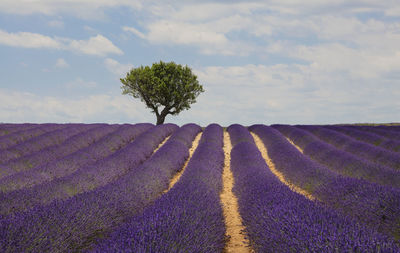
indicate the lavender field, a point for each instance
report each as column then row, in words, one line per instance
column 146, row 188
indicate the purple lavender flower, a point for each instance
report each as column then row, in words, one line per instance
column 368, row 137
column 370, row 204
column 361, row 149
column 280, row 220
column 76, row 223
column 186, row 219
column 339, row 160
column 88, row 177
column 10, row 140
column 85, row 150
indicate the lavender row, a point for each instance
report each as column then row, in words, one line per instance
column 11, row 128
column 58, row 168
column 70, row 145
column 339, row 160
column 88, row 177
column 238, row 133
column 384, row 131
column 368, row 137
column 40, row 142
column 280, row 220
column 186, row 219
column 361, row 149
column 372, row 204
column 76, row 223
column 15, row 138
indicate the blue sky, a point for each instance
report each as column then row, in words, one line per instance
column 295, row 62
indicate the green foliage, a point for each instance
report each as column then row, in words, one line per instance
column 169, row 85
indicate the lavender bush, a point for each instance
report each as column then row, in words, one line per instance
column 339, row 160
column 11, row 128
column 55, row 152
column 186, row 219
column 50, row 139
column 385, row 131
column 74, row 224
column 10, row 140
column 102, row 146
column 361, row 149
column 280, row 220
column 88, row 177
column 368, row 137
column 371, row 204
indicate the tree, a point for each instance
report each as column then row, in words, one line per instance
column 165, row 88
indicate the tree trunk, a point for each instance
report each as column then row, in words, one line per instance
column 160, row 119
column 162, row 115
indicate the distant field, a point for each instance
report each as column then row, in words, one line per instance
column 146, row 188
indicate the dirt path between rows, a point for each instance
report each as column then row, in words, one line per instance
column 291, row 142
column 237, row 243
column 277, row 173
column 161, row 144
column 178, row 175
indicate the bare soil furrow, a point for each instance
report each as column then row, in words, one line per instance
column 176, row 177
column 277, row 173
column 291, row 142
column 237, row 243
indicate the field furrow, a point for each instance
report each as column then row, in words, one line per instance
column 261, row 147
column 384, row 131
column 99, row 147
column 12, row 128
column 367, row 137
column 278, row 219
column 364, row 150
column 188, row 218
column 146, row 188
column 179, row 173
column 15, row 138
column 76, row 223
column 339, row 160
column 48, row 140
column 89, row 177
column 236, row 240
column 380, row 205
column 55, row 152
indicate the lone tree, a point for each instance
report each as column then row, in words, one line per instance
column 165, row 88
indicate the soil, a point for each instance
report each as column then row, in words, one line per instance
column 276, row 172
column 178, row 175
column 291, row 142
column 162, row 143
column 236, row 241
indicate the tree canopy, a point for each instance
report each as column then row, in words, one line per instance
column 165, row 88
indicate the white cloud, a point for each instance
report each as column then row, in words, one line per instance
column 86, row 9
column 213, row 28
column 90, row 29
column 28, row 40
column 134, row 31
column 80, row 83
column 292, row 93
column 181, row 33
column 28, row 107
column 361, row 64
column 393, row 12
column 61, row 63
column 117, row 68
column 319, row 61
column 98, row 45
column 56, row 23
column 209, row 38
column 204, row 11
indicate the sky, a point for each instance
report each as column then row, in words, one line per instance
column 269, row 62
